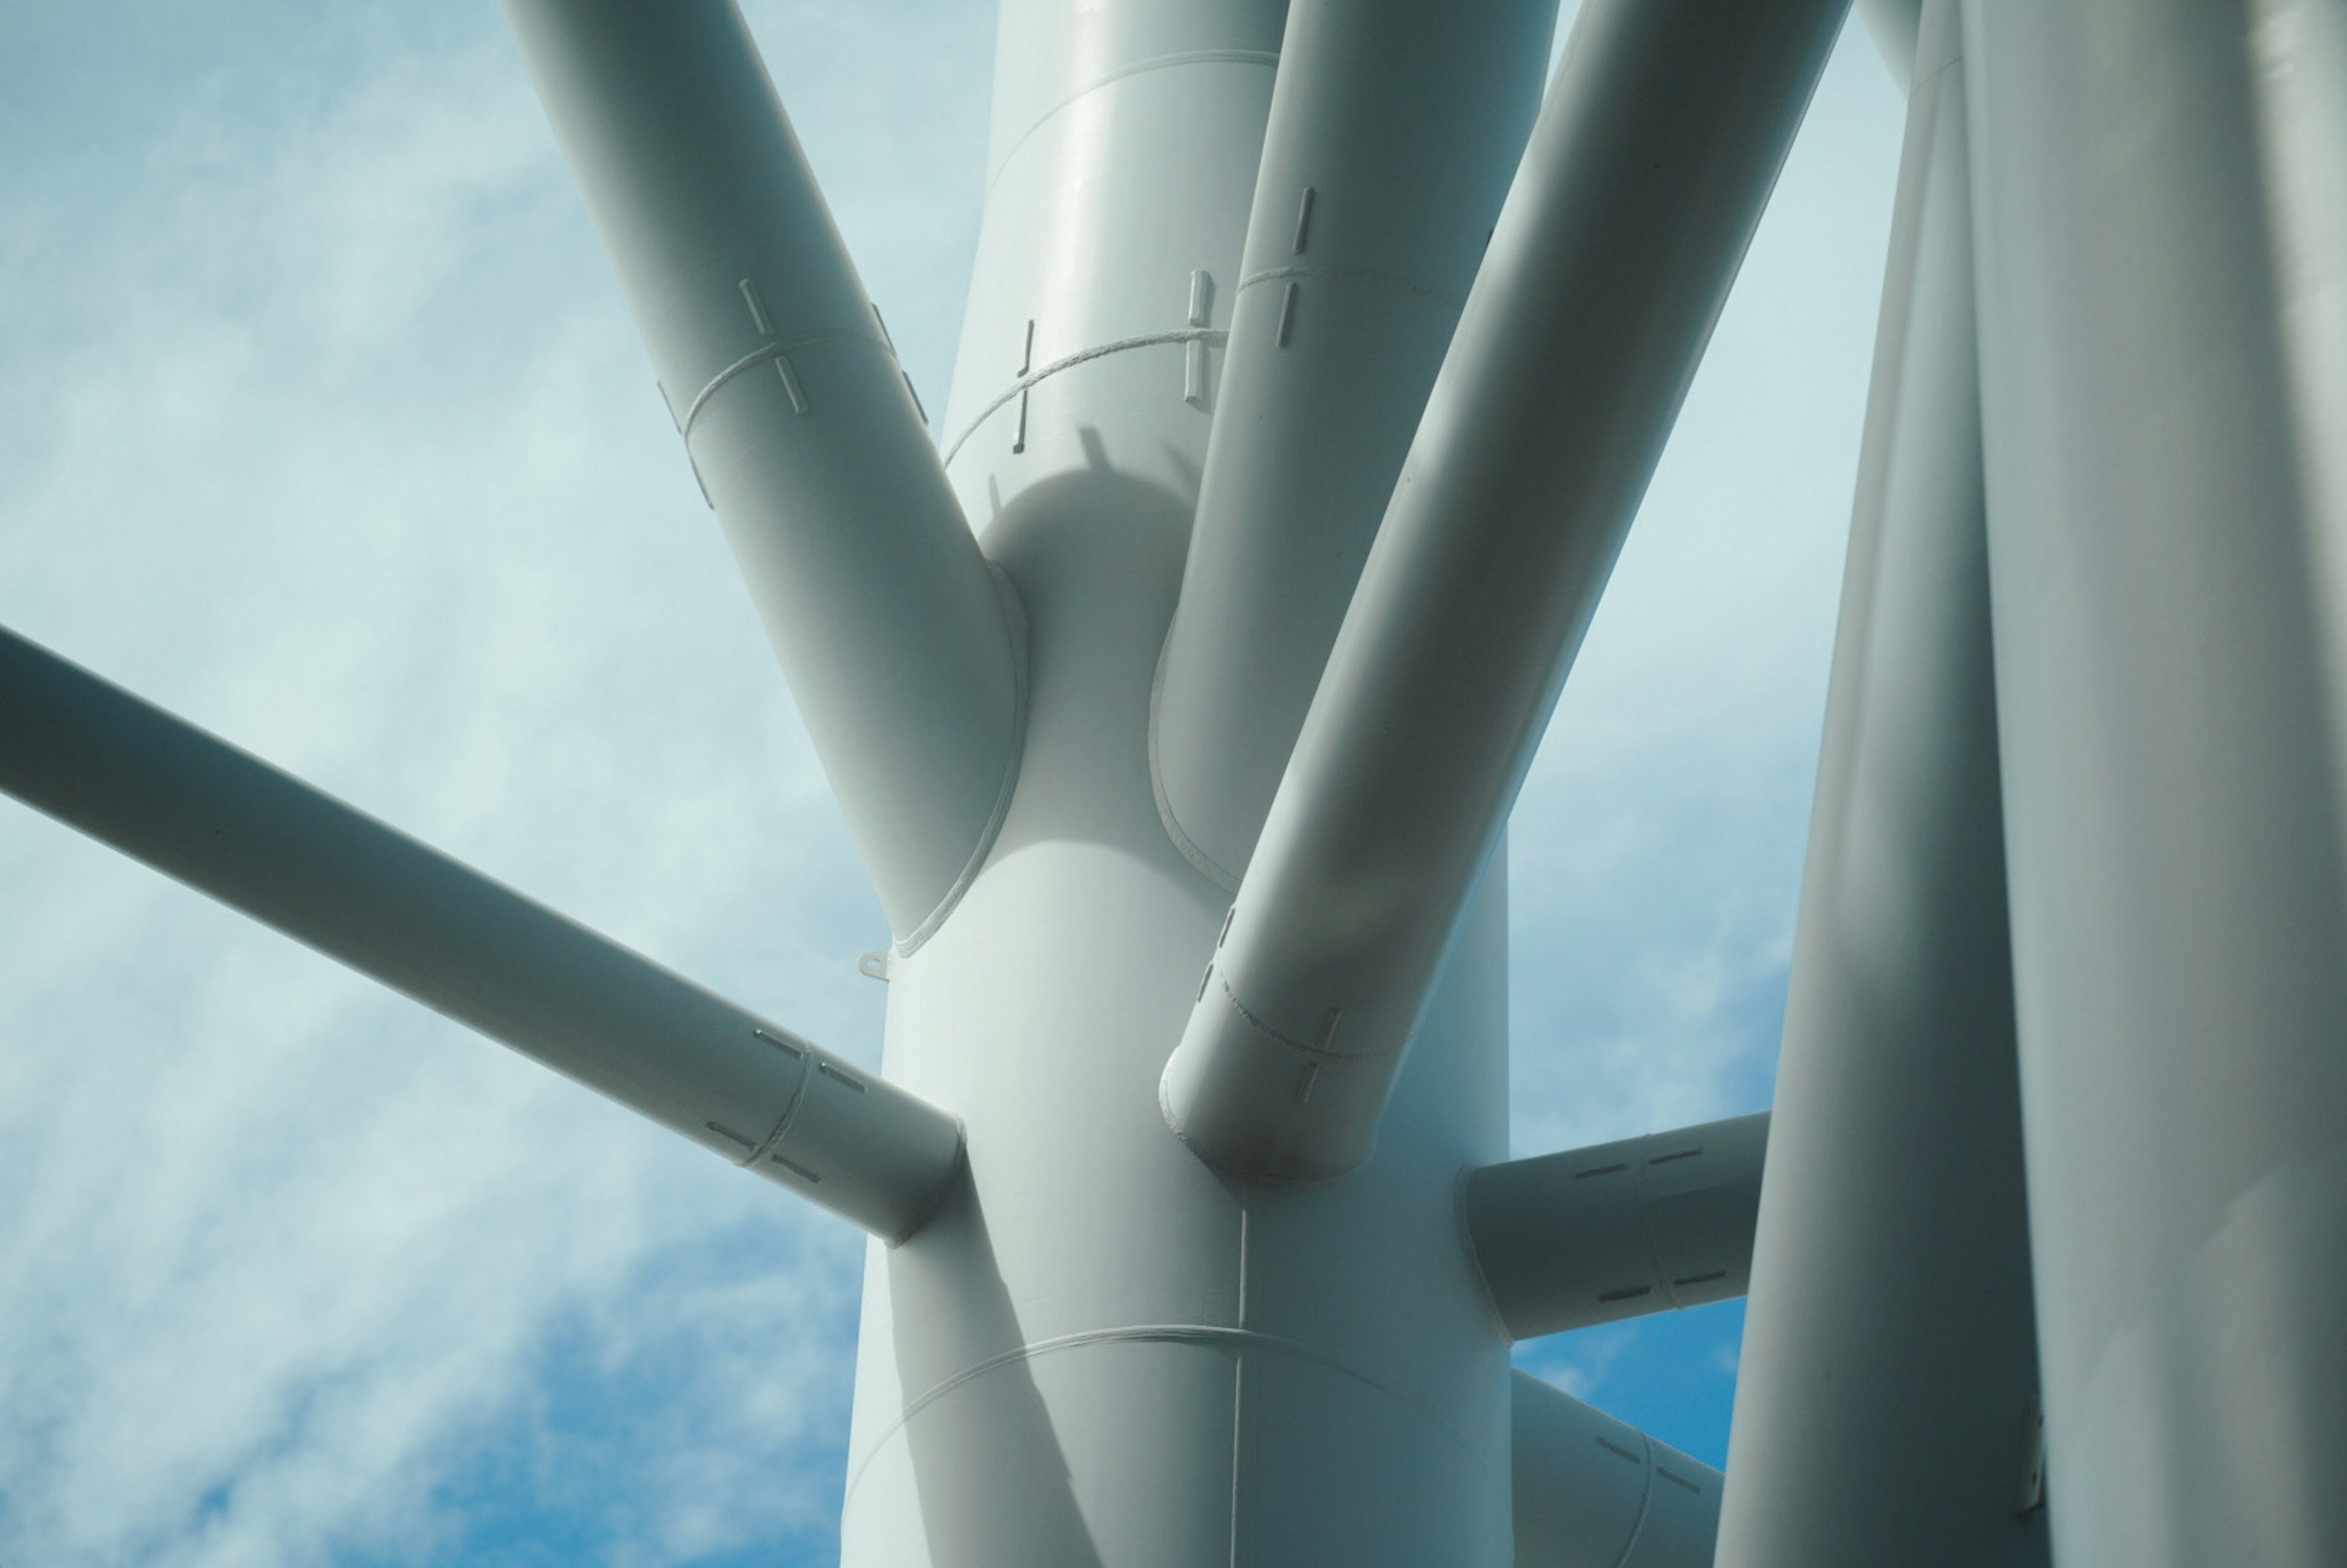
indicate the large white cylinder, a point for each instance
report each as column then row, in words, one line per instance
column 1103, row 1352
column 2168, row 715
column 1886, row 1403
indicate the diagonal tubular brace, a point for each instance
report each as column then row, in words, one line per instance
column 1643, row 181
column 901, row 647
column 1395, row 126
column 225, row 822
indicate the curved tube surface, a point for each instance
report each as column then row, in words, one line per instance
column 1645, row 176
column 260, row 841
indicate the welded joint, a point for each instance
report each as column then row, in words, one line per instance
column 1266, row 58
column 1320, row 1048
column 761, row 354
column 1309, row 1061
column 1018, row 390
column 1014, row 627
column 1187, row 847
column 753, row 1150
column 803, row 1054
column 1658, row 1271
column 1401, row 283
column 1461, row 1218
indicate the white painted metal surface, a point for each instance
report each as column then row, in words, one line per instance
column 1618, row 1230
column 2169, row 711
column 1057, row 713
column 1639, row 190
column 1887, row 1405
column 1394, row 130
column 1592, row 1492
column 805, row 436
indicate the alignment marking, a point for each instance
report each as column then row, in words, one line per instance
column 1019, row 387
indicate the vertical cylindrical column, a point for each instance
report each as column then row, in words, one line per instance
column 1886, row 1400
column 2168, row 723
column 1394, row 130
column 1118, row 169
column 800, row 425
column 1102, row 1351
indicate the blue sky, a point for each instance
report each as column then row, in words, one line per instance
column 325, row 427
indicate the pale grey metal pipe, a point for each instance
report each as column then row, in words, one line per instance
column 1617, row 1230
column 2299, row 61
column 225, row 822
column 1395, row 128
column 900, row 648
column 1590, row 1491
column 1644, row 180
column 2169, row 714
column 1895, row 26
column 1886, row 1400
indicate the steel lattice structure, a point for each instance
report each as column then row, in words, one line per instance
column 1316, row 359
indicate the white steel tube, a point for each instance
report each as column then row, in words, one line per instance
column 805, row 434
column 1887, row 1395
column 1617, row 1230
column 1121, row 162
column 2168, row 711
column 1644, row 179
column 1395, row 128
column 1593, row 1493
column 262, row 842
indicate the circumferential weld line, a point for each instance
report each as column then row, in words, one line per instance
column 1083, row 356
column 1397, row 281
column 1309, row 1052
column 1269, row 59
column 764, row 353
column 788, row 1048
column 1205, row 1334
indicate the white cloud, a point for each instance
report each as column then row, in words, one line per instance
column 338, row 441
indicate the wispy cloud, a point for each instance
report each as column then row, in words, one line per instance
column 337, row 440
